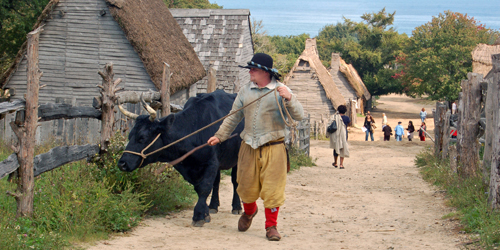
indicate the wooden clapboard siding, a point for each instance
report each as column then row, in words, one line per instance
column 221, row 39
column 77, row 45
column 73, row 48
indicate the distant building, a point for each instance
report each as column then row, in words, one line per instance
column 321, row 90
column 313, row 84
column 481, row 57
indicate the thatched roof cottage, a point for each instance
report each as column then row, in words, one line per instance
column 222, row 39
column 81, row 36
column 481, row 57
column 313, row 84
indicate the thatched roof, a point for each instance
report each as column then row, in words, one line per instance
column 346, row 71
column 155, row 36
column 359, row 82
column 310, row 54
column 481, row 58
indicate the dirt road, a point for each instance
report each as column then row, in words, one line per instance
column 379, row 201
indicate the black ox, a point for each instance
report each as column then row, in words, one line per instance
column 202, row 168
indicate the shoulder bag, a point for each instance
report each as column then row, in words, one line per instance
column 332, row 128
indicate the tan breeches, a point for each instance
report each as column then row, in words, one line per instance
column 262, row 173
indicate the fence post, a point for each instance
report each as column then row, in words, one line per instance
column 26, row 133
column 439, row 128
column 469, row 125
column 165, row 90
column 493, row 109
column 108, row 90
column 446, row 135
column 212, row 81
column 490, row 104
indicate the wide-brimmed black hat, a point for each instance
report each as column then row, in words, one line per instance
column 262, row 61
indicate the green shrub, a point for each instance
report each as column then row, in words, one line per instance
column 83, row 201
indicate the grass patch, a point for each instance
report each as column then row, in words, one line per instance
column 83, row 202
column 299, row 159
column 468, row 196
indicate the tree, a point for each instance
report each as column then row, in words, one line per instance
column 438, row 55
column 370, row 46
column 191, row 4
column 16, row 20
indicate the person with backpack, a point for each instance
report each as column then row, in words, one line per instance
column 338, row 139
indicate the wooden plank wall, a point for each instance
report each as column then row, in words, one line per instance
column 310, row 93
column 222, row 39
column 76, row 43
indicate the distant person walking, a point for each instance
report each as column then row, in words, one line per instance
column 399, row 130
column 384, row 119
column 410, row 129
column 338, row 139
column 421, row 131
column 387, row 132
column 423, row 115
column 454, row 108
column 368, row 125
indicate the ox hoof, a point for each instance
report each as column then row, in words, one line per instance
column 236, row 211
column 199, row 223
column 213, row 211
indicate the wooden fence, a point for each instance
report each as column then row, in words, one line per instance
column 301, row 136
column 29, row 113
column 478, row 124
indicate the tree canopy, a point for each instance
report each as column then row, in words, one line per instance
column 191, row 4
column 17, row 18
column 370, row 46
column 438, row 55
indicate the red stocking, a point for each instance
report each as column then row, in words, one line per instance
column 272, row 216
column 250, row 208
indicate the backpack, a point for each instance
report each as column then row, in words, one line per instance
column 332, row 128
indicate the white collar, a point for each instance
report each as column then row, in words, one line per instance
column 271, row 85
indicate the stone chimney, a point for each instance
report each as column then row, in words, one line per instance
column 311, row 42
column 335, row 63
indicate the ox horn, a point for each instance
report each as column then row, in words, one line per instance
column 127, row 113
column 151, row 111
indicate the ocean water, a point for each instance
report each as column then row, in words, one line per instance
column 295, row 17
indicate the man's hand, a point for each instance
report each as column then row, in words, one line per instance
column 285, row 93
column 213, row 141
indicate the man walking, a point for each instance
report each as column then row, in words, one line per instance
column 262, row 158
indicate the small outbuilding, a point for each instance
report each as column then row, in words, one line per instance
column 81, row 36
column 222, row 39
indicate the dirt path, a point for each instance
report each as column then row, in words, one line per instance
column 378, row 202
